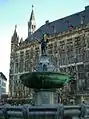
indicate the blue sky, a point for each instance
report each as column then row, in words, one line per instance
column 18, row 12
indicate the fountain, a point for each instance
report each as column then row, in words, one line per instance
column 45, row 80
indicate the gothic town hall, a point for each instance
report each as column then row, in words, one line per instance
column 68, row 49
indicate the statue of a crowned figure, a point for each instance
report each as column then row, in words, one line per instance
column 43, row 43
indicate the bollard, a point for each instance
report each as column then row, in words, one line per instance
column 60, row 112
column 25, row 113
column 5, row 113
column 83, row 110
column 1, row 113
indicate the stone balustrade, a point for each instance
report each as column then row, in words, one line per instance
column 55, row 111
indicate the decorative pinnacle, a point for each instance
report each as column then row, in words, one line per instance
column 15, row 27
column 32, row 6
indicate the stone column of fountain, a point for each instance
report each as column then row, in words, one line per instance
column 45, row 96
column 45, row 80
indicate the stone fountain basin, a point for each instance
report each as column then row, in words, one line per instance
column 45, row 80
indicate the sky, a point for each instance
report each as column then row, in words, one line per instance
column 17, row 12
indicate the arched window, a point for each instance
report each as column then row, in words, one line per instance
column 44, row 67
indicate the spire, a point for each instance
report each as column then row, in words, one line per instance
column 15, row 28
column 32, row 17
column 15, row 32
column 31, row 23
column 14, row 39
column 21, row 41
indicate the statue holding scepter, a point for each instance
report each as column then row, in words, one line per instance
column 43, row 43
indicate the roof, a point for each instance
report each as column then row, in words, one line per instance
column 62, row 24
column 3, row 76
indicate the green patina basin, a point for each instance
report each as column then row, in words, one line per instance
column 45, row 80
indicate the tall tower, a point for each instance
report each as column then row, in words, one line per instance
column 14, row 45
column 31, row 23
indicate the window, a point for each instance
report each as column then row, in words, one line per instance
column 44, row 67
column 77, row 42
column 37, row 51
column 55, row 48
column 69, row 41
column 3, row 90
column 31, row 53
column 33, row 26
column 3, row 84
column 16, row 67
column 16, row 63
column 87, row 67
column 70, row 54
column 87, row 39
column 81, row 75
column 80, row 68
column 27, row 60
column 62, row 46
column 63, row 59
column 50, row 48
column 21, row 61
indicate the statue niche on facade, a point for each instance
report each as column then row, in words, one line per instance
column 43, row 43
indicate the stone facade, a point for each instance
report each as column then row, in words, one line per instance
column 3, row 82
column 69, row 52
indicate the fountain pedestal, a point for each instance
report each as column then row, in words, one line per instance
column 45, row 96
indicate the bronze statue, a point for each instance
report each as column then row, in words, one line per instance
column 43, row 43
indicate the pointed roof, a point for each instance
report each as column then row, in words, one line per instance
column 3, row 76
column 32, row 17
column 15, row 32
column 21, row 40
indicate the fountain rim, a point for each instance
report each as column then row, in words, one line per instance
column 46, row 73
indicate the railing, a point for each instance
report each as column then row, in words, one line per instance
column 45, row 112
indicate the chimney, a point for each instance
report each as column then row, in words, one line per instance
column 87, row 8
column 46, row 22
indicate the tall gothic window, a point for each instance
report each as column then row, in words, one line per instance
column 62, row 58
column 77, row 42
column 36, row 54
column 55, row 48
column 27, row 60
column 21, row 63
column 70, row 51
column 16, row 63
column 87, row 39
column 78, row 49
column 79, row 54
column 70, row 54
column 62, row 52
column 50, row 47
